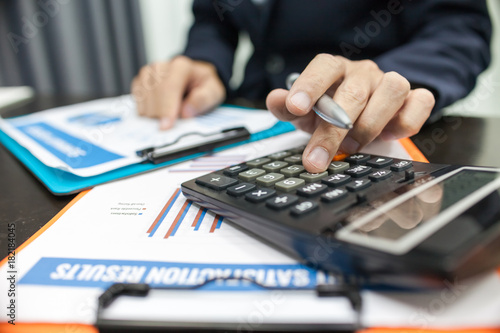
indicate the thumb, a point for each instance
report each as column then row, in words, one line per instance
column 202, row 99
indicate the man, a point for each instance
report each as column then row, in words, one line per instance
column 389, row 64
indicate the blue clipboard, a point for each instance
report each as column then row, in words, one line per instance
column 60, row 182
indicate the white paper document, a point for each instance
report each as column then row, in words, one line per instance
column 94, row 137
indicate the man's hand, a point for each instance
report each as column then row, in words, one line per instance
column 378, row 103
column 178, row 88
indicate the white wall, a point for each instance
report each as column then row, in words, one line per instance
column 166, row 23
column 484, row 100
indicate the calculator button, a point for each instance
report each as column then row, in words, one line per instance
column 338, row 167
column 380, row 175
column 401, row 165
column 294, row 159
column 215, row 181
column 235, row 170
column 260, row 194
column 334, row 195
column 269, row 179
column 289, row 184
column 274, row 166
column 303, row 208
column 251, row 174
column 358, row 185
column 312, row 190
column 358, row 171
column 258, row 162
column 292, row 170
column 282, row 201
column 357, row 158
column 313, row 177
column 279, row 155
column 379, row 162
column 240, row 189
column 297, row 150
column 336, row 180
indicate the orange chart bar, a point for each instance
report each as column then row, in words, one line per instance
column 178, row 219
column 216, row 223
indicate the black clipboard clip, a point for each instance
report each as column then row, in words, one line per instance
column 205, row 144
column 348, row 290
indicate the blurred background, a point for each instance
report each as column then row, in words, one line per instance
column 96, row 47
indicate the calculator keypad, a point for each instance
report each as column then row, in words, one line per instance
column 401, row 166
column 380, row 175
column 334, row 195
column 338, row 167
column 216, row 181
column 379, row 162
column 240, row 189
column 312, row 190
column 358, row 171
column 293, row 170
column 260, row 194
column 269, row 179
column 336, row 180
column 357, row 158
column 304, row 207
column 274, row 166
column 280, row 183
column 282, row 201
column 357, row 185
column 289, row 184
column 313, row 177
column 234, row 170
column 251, row 174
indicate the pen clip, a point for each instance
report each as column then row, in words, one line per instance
column 207, row 143
column 144, row 152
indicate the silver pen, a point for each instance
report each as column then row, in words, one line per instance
column 326, row 107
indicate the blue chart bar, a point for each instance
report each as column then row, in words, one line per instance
column 219, row 222
column 199, row 219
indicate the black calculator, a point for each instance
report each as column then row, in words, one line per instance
column 383, row 220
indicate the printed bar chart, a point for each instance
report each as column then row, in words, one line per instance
column 171, row 208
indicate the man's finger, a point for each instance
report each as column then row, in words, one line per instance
column 275, row 103
column 386, row 100
column 411, row 117
column 354, row 92
column 173, row 87
column 319, row 75
column 203, row 98
column 322, row 147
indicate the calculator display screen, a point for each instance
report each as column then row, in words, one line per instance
column 399, row 221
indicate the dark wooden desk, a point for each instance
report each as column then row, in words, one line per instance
column 456, row 140
column 26, row 202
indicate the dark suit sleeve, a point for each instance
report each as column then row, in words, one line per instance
column 212, row 37
column 448, row 49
